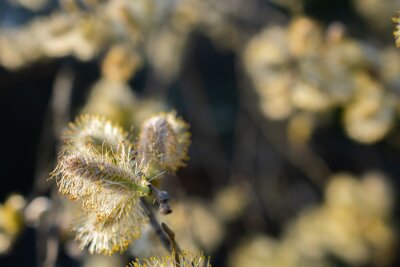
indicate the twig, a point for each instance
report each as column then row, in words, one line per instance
column 174, row 246
column 156, row 226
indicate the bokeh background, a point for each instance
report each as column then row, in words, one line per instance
column 293, row 108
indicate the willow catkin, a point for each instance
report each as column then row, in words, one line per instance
column 182, row 259
column 97, row 165
column 99, row 132
column 104, row 184
column 113, row 235
column 370, row 116
column 164, row 140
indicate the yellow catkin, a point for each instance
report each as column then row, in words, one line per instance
column 97, row 165
column 182, row 259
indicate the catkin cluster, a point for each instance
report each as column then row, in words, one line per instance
column 159, row 31
column 109, row 173
column 303, row 72
column 76, row 31
column 353, row 224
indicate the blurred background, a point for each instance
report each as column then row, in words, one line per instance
column 293, row 108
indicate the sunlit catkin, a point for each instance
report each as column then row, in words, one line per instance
column 113, row 235
column 120, row 63
column 164, row 141
column 370, row 116
column 11, row 221
column 105, row 184
column 100, row 133
column 182, row 259
column 98, row 167
column 396, row 33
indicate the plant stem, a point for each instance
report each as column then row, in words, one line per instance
column 156, row 226
column 174, row 246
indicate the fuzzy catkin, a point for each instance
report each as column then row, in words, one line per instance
column 113, row 235
column 396, row 33
column 182, row 259
column 103, row 175
column 98, row 166
column 104, row 184
column 164, row 140
column 95, row 130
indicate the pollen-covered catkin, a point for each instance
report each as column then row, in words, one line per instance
column 164, row 140
column 97, row 165
column 113, row 235
column 102, row 175
column 104, row 184
column 396, row 33
column 182, row 259
column 101, row 133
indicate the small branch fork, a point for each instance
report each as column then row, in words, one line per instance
column 173, row 245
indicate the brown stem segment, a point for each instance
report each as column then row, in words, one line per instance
column 174, row 246
column 156, row 226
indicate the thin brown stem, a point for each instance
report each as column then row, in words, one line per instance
column 174, row 246
column 156, row 226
